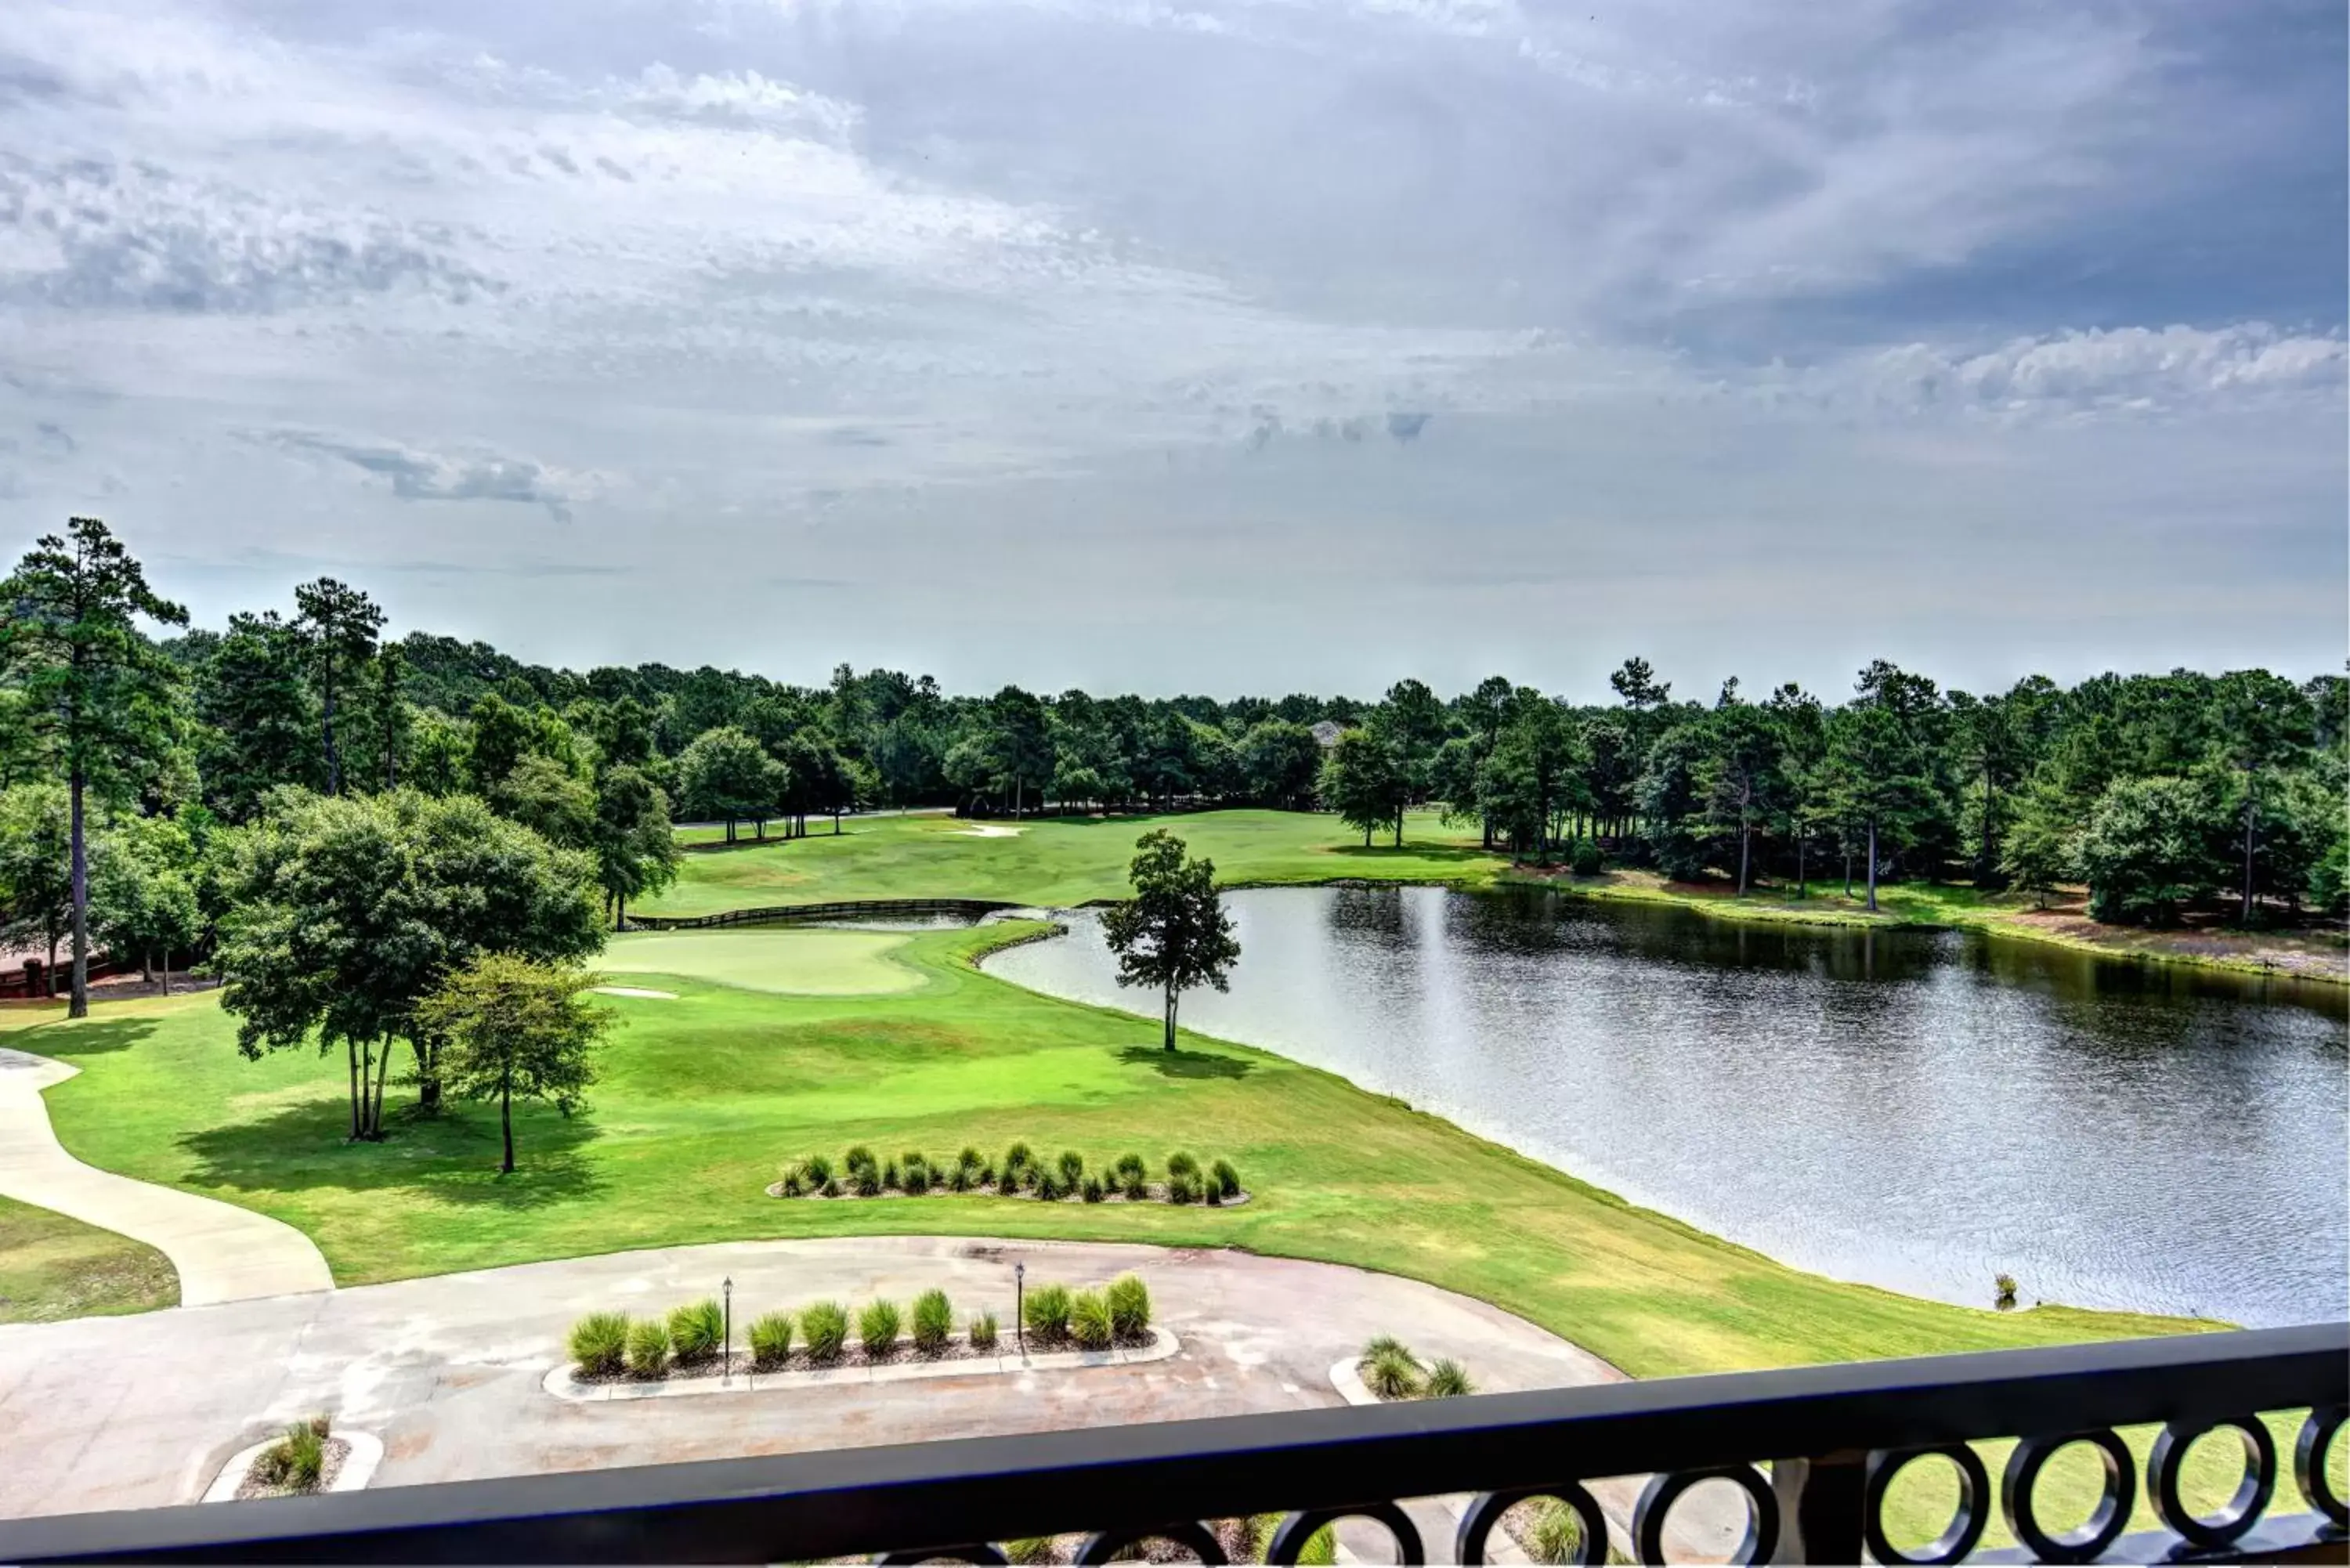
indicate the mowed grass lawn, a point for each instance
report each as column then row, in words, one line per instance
column 703, row 1096
column 1054, row 861
column 52, row 1267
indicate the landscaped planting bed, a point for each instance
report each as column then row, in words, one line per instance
column 1020, row 1173
column 1391, row 1371
column 610, row 1347
column 306, row 1460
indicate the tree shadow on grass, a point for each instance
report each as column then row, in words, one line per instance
column 84, row 1039
column 1184, row 1063
column 452, row 1157
column 1411, row 851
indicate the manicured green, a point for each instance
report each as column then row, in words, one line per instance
column 805, row 962
column 52, row 1267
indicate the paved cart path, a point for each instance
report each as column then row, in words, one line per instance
column 223, row 1253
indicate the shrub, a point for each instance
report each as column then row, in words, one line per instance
column 1182, row 1189
column 987, row 1176
column 1554, row 1532
column 1391, row 1371
column 695, row 1330
column 876, row 1329
column 832, row 1188
column 1448, row 1379
column 1046, row 1312
column 1227, row 1180
column 1094, row 1192
column 1181, row 1164
column 1137, row 1186
column 918, row 1179
column 858, row 1156
column 1583, row 860
column 1130, row 1167
column 647, row 1348
column 824, row 1326
column 1049, row 1188
column 2004, row 1291
column 1018, row 1156
column 1210, row 1193
column 771, row 1340
column 599, row 1343
column 296, row 1461
column 818, row 1169
column 1009, row 1181
column 1072, row 1167
column 910, row 1158
column 959, row 1180
column 1383, row 1344
column 933, row 1321
column 983, row 1331
column 867, row 1180
column 1089, row 1321
column 889, row 1174
column 1129, row 1306
column 969, row 1159
column 792, row 1187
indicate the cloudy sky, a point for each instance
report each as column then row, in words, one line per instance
column 1222, row 344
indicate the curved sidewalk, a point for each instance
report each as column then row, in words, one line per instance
column 222, row 1253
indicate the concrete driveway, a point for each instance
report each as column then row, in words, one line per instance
column 141, row 1412
column 223, row 1253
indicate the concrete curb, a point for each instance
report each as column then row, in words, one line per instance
column 561, row 1383
column 1346, row 1376
column 359, row 1466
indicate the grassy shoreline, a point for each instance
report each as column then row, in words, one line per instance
column 1062, row 862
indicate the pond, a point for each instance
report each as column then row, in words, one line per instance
column 1917, row 1110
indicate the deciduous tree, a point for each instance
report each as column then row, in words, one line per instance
column 1174, row 933
column 516, row 1028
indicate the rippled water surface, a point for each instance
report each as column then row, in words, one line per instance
column 1914, row 1110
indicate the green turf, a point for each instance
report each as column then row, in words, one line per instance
column 804, row 963
column 52, row 1267
column 1054, row 861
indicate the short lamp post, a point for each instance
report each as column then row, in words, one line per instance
column 1019, row 1291
column 726, row 1352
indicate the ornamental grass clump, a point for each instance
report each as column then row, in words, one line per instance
column 1072, row 1167
column 917, row 1179
column 1181, row 1164
column 1183, row 1189
column 1553, row 1532
column 793, row 1184
column 1227, row 1179
column 599, row 1343
column 1129, row 1306
column 1094, row 1192
column 298, row 1460
column 889, row 1174
column 877, row 1330
column 1130, row 1167
column 1390, row 1371
column 695, row 1330
column 824, row 1326
column 933, row 1322
column 647, row 1348
column 959, row 1179
column 1045, row 1312
column 817, row 1170
column 1448, row 1379
column 1089, row 1321
column 969, row 1159
column 771, row 1341
column 1019, row 1157
column 1049, row 1186
column 983, row 1331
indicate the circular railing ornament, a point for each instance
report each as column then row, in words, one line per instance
column 2317, row 1434
column 1193, row 1537
column 1656, row 1499
column 1289, row 1542
column 1477, row 1525
column 2252, row 1493
column 2105, row 1522
column 1966, row 1527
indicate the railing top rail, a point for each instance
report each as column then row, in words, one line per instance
column 824, row 1505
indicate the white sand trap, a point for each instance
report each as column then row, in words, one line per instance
column 988, row 830
column 633, row 990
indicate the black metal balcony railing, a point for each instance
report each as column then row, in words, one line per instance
column 1832, row 1437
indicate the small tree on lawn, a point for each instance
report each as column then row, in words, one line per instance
column 1361, row 782
column 1173, row 933
column 512, row 1026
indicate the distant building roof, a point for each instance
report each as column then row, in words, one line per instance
column 1326, row 734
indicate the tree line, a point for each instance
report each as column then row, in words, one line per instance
column 138, row 756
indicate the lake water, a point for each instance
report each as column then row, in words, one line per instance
column 1914, row 1110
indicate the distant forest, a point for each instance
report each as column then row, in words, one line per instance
column 142, row 749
